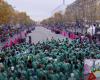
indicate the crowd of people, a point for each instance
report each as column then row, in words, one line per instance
column 50, row 60
column 9, row 30
column 77, row 28
column 13, row 34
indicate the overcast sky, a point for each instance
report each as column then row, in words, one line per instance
column 37, row 9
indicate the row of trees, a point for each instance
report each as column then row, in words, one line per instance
column 57, row 18
column 81, row 10
column 12, row 21
column 85, row 10
column 9, row 16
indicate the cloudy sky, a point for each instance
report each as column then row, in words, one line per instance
column 37, row 9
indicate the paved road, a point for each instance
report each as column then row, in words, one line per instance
column 41, row 34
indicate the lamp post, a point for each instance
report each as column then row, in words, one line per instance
column 93, row 66
column 86, row 26
column 63, row 2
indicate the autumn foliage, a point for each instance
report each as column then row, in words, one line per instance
column 9, row 16
column 84, row 10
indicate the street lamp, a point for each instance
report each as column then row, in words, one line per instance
column 60, row 6
column 63, row 2
column 86, row 26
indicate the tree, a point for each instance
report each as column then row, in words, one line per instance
column 9, row 16
column 5, row 13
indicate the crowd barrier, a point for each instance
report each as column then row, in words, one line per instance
column 71, row 35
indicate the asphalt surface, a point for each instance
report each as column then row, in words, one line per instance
column 41, row 34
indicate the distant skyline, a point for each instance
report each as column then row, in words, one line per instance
column 37, row 9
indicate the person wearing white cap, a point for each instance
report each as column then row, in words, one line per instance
column 72, row 77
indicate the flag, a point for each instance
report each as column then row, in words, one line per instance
column 86, row 69
column 15, row 41
column 11, row 43
column 92, row 77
